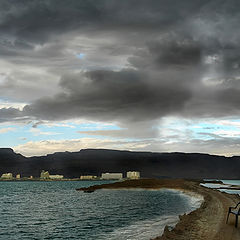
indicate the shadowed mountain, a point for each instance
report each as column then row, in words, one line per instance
column 11, row 161
column 96, row 161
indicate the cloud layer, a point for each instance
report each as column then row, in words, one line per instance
column 179, row 59
column 130, row 62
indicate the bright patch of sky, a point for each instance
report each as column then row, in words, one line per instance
column 80, row 55
column 204, row 130
column 8, row 104
column 12, row 135
column 171, row 131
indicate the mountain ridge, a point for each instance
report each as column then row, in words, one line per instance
column 95, row 161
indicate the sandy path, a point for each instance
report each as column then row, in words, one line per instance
column 206, row 223
column 227, row 231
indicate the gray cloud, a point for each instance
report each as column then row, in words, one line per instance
column 11, row 114
column 131, row 132
column 176, row 50
column 37, row 21
column 143, row 59
column 126, row 95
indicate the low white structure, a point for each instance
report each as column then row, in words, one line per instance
column 56, row 177
column 133, row 175
column 88, row 177
column 111, row 176
column 18, row 176
column 7, row 176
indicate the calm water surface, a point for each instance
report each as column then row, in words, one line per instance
column 228, row 183
column 55, row 210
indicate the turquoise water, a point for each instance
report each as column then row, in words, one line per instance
column 55, row 210
column 227, row 183
column 231, row 182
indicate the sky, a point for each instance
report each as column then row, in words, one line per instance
column 137, row 75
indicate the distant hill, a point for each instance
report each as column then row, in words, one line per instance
column 96, row 161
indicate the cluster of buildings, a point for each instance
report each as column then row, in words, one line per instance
column 113, row 176
column 46, row 175
column 43, row 176
column 7, row 176
column 104, row 176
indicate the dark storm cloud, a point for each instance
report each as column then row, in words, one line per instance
column 25, row 24
column 172, row 58
column 176, row 50
column 34, row 20
column 127, row 95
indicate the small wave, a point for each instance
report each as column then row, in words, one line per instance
column 194, row 200
column 143, row 230
column 149, row 229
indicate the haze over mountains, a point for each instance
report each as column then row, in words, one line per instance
column 96, row 161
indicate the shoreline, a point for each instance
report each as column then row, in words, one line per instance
column 206, row 222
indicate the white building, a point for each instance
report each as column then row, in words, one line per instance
column 111, row 176
column 7, row 176
column 44, row 174
column 18, row 176
column 133, row 175
column 88, row 177
column 56, row 177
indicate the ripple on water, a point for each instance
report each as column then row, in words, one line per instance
column 55, row 210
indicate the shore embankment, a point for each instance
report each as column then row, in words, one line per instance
column 206, row 222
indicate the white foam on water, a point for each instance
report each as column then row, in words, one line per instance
column 194, row 200
column 149, row 229
column 143, row 230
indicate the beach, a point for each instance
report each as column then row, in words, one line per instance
column 206, row 222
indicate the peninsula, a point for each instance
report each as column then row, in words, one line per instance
column 206, row 222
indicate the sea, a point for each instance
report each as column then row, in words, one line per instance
column 226, row 183
column 55, row 210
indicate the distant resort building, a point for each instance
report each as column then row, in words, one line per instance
column 44, row 175
column 56, row 177
column 112, row 176
column 7, row 176
column 133, row 175
column 18, row 176
column 88, row 177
